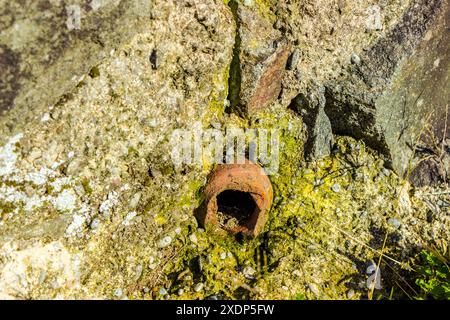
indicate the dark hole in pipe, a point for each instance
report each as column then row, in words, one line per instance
column 235, row 208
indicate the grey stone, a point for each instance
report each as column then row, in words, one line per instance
column 118, row 292
column 314, row 289
column 249, row 272
column 46, row 46
column 387, row 98
column 162, row 291
column 350, row 293
column 294, row 59
column 355, row 59
column 312, row 107
column 95, row 224
column 394, row 223
column 138, row 272
column 164, row 242
column 336, row 187
column 198, row 287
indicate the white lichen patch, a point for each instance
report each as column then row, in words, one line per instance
column 60, row 183
column 65, row 201
column 129, row 218
column 41, row 268
column 111, row 201
column 11, row 195
column 8, row 156
column 28, row 188
column 33, row 203
column 40, row 177
column 76, row 226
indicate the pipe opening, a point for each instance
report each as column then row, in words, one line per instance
column 235, row 209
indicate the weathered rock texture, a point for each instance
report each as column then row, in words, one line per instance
column 101, row 157
column 88, row 190
column 312, row 109
column 46, row 46
column 398, row 86
column 261, row 55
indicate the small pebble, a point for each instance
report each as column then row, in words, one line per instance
column 355, row 59
column 336, row 187
column 180, row 292
column 45, row 117
column 153, row 123
column 442, row 203
column 118, row 292
column 162, row 291
column 371, row 268
column 350, row 293
column 436, row 62
column 386, row 172
column 164, row 242
column 294, row 59
column 95, row 224
column 393, row 222
column 42, row 277
column 313, row 289
column 198, row 287
column 249, row 272
column 135, row 201
column 193, row 238
column 138, row 272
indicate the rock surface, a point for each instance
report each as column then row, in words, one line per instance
column 398, row 89
column 261, row 54
column 88, row 191
column 47, row 47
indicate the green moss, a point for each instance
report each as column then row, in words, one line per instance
column 5, row 209
column 264, row 7
column 303, row 201
column 86, row 186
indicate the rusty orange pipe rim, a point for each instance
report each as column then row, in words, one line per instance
column 240, row 192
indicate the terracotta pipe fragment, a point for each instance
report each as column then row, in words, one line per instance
column 236, row 199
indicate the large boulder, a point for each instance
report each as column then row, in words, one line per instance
column 398, row 87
